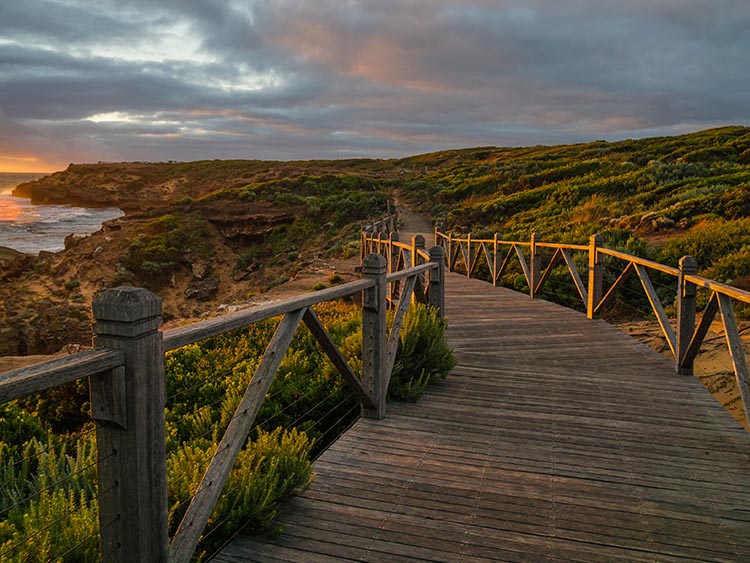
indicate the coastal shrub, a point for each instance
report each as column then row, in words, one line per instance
column 708, row 243
column 423, row 355
column 246, row 259
column 164, row 244
column 270, row 467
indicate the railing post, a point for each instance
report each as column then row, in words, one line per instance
column 685, row 313
column 469, row 258
column 417, row 244
column 363, row 245
column 133, row 480
column 494, row 259
column 449, row 252
column 436, row 291
column 595, row 276
column 373, row 335
column 393, row 257
column 394, row 252
column 535, row 267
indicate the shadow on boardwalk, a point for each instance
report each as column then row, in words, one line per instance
column 555, row 438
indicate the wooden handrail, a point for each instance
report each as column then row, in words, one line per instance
column 720, row 288
column 640, row 261
column 684, row 341
column 189, row 334
column 27, row 381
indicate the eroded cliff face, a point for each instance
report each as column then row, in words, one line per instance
column 45, row 300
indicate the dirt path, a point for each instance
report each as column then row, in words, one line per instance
column 412, row 223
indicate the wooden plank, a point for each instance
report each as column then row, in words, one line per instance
column 202, row 505
column 132, row 481
column 656, row 305
column 737, row 352
column 562, row 246
column 53, row 373
column 337, row 359
column 486, row 250
column 374, row 336
column 475, row 256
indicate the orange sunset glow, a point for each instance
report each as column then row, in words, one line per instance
column 27, row 164
column 9, row 211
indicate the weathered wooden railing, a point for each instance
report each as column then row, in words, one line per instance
column 387, row 224
column 127, row 389
column 400, row 256
column 684, row 338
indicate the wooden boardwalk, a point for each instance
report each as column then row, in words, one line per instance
column 555, row 438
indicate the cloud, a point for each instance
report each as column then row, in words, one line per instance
column 299, row 79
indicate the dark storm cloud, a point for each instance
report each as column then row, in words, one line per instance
column 179, row 79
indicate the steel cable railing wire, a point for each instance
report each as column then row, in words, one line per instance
column 317, row 422
column 50, row 448
column 349, row 414
column 200, row 489
column 29, row 538
column 106, row 556
column 94, row 537
column 39, row 533
column 264, row 422
column 637, row 295
column 296, row 402
column 69, row 473
column 563, row 289
column 91, row 538
column 55, row 485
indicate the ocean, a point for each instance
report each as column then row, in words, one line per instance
column 31, row 228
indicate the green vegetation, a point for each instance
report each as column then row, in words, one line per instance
column 422, row 357
column 647, row 191
column 48, row 490
column 165, row 243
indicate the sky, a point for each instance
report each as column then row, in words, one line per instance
column 157, row 80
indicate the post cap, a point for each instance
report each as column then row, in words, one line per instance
column 436, row 253
column 374, row 264
column 126, row 304
column 689, row 265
